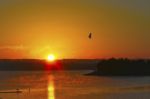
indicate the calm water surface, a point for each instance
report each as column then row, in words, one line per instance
column 71, row 85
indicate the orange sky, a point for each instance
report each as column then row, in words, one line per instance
column 36, row 28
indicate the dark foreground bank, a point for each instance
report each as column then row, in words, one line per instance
column 122, row 67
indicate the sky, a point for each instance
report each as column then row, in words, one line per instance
column 33, row 29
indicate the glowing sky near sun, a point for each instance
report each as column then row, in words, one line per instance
column 35, row 28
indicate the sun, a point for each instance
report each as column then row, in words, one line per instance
column 51, row 57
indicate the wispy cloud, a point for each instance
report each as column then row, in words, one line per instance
column 13, row 47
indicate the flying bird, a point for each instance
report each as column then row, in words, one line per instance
column 90, row 35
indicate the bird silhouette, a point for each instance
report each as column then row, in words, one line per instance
column 90, row 35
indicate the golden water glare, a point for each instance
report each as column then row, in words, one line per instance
column 51, row 87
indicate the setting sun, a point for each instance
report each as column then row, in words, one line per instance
column 51, row 57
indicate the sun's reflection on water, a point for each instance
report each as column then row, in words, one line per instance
column 51, row 87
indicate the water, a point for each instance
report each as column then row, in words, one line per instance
column 71, row 85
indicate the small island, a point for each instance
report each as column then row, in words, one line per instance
column 122, row 67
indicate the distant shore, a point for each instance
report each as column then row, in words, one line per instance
column 103, row 67
column 38, row 65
